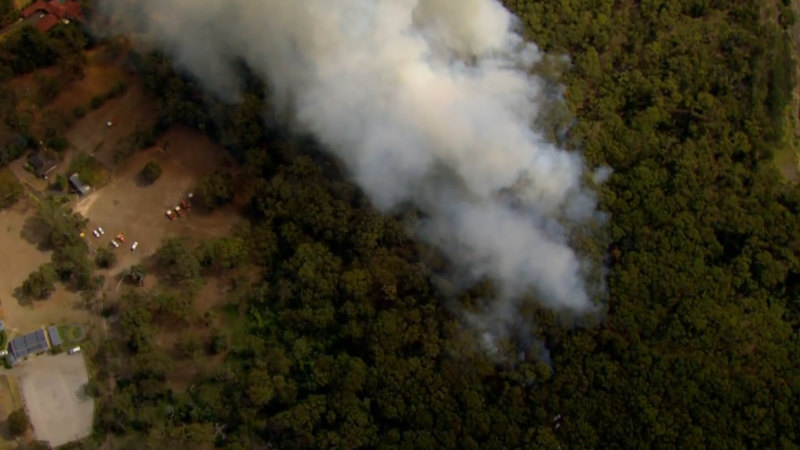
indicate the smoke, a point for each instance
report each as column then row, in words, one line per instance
column 425, row 101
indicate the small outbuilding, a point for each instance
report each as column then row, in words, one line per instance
column 55, row 338
column 42, row 164
column 77, row 184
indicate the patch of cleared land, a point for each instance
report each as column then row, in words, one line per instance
column 126, row 206
column 53, row 388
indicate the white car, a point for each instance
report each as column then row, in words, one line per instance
column 100, row 230
column 74, row 350
column 135, row 244
column 95, row 233
column 114, row 244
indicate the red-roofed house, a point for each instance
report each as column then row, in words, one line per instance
column 52, row 12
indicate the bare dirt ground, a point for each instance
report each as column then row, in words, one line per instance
column 127, row 206
column 53, row 390
column 93, row 136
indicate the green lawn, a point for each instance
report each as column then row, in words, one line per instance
column 71, row 335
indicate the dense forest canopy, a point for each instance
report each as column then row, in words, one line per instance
column 341, row 338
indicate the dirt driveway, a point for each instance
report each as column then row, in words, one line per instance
column 53, row 392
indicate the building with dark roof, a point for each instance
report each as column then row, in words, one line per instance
column 77, row 184
column 51, row 12
column 29, row 344
column 55, row 338
column 42, row 164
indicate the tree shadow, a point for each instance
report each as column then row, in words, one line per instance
column 82, row 394
column 141, row 181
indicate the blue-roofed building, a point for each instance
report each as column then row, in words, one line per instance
column 55, row 338
column 29, row 344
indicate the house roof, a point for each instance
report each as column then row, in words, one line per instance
column 54, row 11
column 47, row 22
column 42, row 164
column 76, row 183
column 34, row 342
column 61, row 9
column 55, row 338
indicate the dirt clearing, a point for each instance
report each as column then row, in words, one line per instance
column 53, row 392
column 127, row 206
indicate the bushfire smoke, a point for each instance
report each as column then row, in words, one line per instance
column 425, row 101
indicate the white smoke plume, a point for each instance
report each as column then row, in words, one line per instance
column 425, row 101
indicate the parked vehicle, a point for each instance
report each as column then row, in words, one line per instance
column 95, row 233
column 135, row 244
column 178, row 211
column 100, row 230
column 114, row 244
column 74, row 350
column 170, row 214
column 121, row 238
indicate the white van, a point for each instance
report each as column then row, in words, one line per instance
column 74, row 350
column 114, row 244
column 135, row 244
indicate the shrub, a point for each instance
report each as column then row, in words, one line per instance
column 97, row 101
column 105, row 258
column 18, row 423
column 79, row 111
column 58, row 143
column 40, row 283
column 151, row 171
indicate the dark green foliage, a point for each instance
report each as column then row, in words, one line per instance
column 105, row 258
column 18, row 422
column 97, row 101
column 58, row 143
column 343, row 343
column 88, row 169
column 79, row 111
column 136, row 274
column 215, row 190
column 26, row 49
column 224, row 253
column 41, row 282
column 177, row 261
column 60, row 183
column 60, row 231
column 8, row 12
column 151, row 171
column 92, row 388
column 218, row 343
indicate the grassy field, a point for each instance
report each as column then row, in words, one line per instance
column 71, row 335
